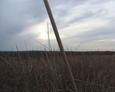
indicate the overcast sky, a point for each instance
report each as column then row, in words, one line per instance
column 83, row 24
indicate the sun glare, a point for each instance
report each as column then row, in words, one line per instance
column 41, row 31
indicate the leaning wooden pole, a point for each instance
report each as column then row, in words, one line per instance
column 49, row 11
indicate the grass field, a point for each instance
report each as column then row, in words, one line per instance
column 47, row 72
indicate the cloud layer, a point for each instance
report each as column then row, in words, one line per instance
column 83, row 24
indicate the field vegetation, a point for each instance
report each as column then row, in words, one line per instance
column 46, row 71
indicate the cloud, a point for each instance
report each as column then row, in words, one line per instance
column 83, row 24
column 15, row 15
column 93, row 22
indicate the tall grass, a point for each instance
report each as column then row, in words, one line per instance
column 47, row 72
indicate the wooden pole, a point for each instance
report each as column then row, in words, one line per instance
column 49, row 11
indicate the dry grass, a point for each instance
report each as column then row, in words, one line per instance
column 46, row 72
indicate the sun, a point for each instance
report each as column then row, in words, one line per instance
column 43, row 32
column 43, row 35
column 40, row 31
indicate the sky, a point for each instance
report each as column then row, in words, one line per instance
column 84, row 25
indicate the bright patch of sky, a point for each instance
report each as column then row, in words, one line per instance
column 83, row 24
